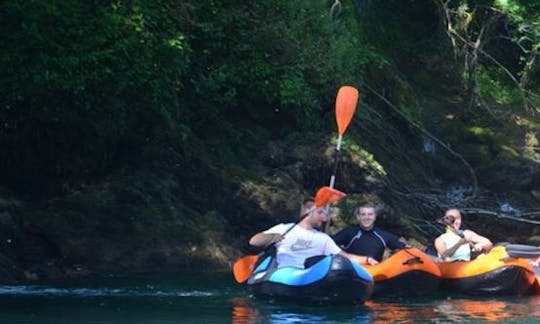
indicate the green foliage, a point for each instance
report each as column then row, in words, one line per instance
column 364, row 158
column 499, row 41
column 87, row 84
column 524, row 29
column 278, row 63
column 482, row 132
column 494, row 84
column 402, row 28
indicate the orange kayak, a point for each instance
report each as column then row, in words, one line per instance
column 408, row 272
column 535, row 289
column 493, row 273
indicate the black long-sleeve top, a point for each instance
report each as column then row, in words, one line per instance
column 370, row 243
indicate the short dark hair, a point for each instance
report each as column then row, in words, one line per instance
column 362, row 204
column 307, row 204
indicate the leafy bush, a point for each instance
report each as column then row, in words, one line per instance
column 87, row 84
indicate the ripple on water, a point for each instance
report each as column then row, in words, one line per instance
column 99, row 292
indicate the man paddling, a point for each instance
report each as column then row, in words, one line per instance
column 297, row 242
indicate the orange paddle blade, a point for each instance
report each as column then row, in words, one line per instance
column 243, row 267
column 346, row 101
column 327, row 195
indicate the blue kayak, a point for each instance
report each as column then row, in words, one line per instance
column 333, row 279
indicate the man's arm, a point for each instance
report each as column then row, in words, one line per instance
column 359, row 258
column 394, row 243
column 342, row 237
column 264, row 239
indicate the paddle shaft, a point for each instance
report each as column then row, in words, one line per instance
column 336, row 162
column 346, row 102
column 333, row 180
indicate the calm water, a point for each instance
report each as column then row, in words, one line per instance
column 216, row 298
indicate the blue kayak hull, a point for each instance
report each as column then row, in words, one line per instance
column 334, row 279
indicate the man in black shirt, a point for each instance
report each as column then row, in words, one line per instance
column 365, row 239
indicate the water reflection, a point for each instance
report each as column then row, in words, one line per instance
column 248, row 311
column 243, row 312
column 485, row 310
column 401, row 312
column 439, row 309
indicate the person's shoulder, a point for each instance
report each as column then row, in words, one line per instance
column 349, row 229
column 321, row 233
column 382, row 231
column 353, row 228
column 441, row 236
column 468, row 232
column 471, row 234
column 281, row 225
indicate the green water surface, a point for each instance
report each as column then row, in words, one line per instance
column 216, row 298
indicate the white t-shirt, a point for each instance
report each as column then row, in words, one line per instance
column 464, row 250
column 300, row 244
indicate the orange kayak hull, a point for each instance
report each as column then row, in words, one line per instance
column 408, row 272
column 535, row 288
column 493, row 273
